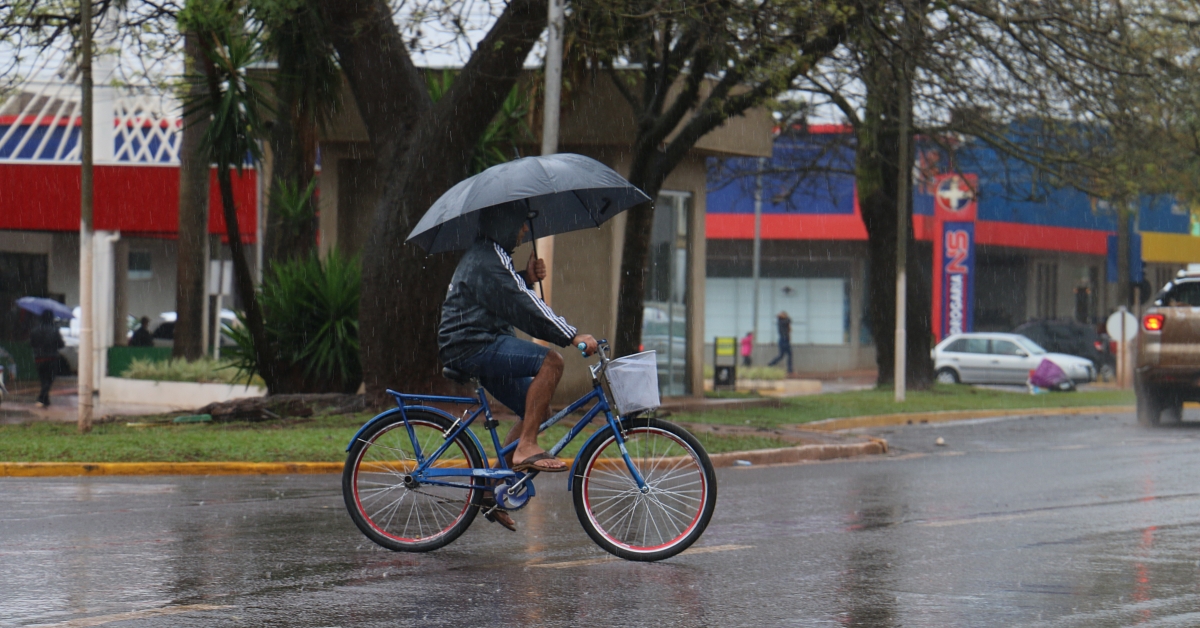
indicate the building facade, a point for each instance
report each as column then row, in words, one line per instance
column 136, row 191
column 1035, row 252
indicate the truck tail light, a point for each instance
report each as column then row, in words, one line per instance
column 1099, row 345
column 1153, row 322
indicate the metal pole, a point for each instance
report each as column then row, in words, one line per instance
column 216, row 345
column 757, row 272
column 903, row 197
column 86, row 245
column 550, row 119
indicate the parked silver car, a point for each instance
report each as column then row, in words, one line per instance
column 994, row 358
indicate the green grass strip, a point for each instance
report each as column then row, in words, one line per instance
column 798, row 410
column 323, row 439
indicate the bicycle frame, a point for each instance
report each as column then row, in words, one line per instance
column 426, row 474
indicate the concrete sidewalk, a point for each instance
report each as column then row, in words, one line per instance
column 20, row 406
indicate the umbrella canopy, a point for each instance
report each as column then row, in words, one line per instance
column 37, row 305
column 565, row 192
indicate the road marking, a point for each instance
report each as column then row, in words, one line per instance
column 100, row 620
column 984, row 519
column 612, row 559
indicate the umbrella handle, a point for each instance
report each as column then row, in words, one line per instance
column 533, row 241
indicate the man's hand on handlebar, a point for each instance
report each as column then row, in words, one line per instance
column 585, row 343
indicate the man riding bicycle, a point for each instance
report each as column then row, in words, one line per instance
column 486, row 299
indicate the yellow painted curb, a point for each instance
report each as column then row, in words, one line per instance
column 59, row 469
column 886, row 420
column 786, row 455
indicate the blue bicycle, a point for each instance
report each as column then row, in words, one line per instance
column 416, row 476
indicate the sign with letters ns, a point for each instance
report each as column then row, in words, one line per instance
column 958, row 277
column 955, row 207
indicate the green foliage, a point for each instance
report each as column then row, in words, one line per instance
column 202, row 371
column 233, row 99
column 310, row 311
column 307, row 76
column 499, row 142
column 291, row 204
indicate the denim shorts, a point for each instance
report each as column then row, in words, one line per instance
column 506, row 368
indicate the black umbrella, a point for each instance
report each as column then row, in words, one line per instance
column 565, row 192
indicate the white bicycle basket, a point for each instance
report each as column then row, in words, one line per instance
column 633, row 382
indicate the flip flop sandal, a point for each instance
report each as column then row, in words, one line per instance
column 530, row 464
column 494, row 514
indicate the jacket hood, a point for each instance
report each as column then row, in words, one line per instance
column 502, row 223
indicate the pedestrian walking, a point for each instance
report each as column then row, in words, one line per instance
column 747, row 347
column 45, row 341
column 785, row 340
column 142, row 337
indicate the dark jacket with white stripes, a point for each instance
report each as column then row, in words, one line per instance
column 486, row 299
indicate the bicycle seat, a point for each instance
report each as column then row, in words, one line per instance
column 455, row 375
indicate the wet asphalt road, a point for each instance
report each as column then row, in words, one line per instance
column 1081, row 521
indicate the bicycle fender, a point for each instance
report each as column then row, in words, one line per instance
column 575, row 462
column 383, row 415
column 377, row 418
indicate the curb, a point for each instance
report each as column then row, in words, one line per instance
column 783, row 455
column 888, row 420
column 67, row 469
column 801, row 453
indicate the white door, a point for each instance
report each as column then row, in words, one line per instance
column 974, row 361
column 1009, row 363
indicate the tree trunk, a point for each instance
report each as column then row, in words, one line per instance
column 190, row 291
column 876, row 179
column 421, row 150
column 293, row 150
column 264, row 355
column 1124, row 254
column 647, row 175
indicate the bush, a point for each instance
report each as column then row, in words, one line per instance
column 202, row 371
column 310, row 311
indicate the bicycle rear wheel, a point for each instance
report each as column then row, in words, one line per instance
column 680, row 496
column 412, row 518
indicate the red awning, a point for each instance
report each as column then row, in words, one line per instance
column 134, row 199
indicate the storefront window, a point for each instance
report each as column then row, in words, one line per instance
column 664, row 320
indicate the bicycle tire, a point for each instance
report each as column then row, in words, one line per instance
column 645, row 526
column 371, row 473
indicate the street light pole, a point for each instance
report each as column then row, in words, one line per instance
column 903, row 199
column 757, row 269
column 550, row 120
column 86, row 245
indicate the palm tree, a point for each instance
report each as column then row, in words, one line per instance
column 234, row 103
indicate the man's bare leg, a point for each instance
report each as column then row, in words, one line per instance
column 537, row 407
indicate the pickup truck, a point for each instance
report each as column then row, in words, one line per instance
column 1168, row 355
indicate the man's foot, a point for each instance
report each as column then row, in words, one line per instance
column 501, row 517
column 495, row 515
column 543, row 462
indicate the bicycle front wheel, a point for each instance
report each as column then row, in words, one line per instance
column 409, row 517
column 663, row 520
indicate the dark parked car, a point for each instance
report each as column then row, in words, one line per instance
column 1072, row 338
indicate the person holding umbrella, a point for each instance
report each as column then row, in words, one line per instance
column 45, row 342
column 490, row 214
column 487, row 298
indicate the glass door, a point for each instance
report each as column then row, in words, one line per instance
column 664, row 320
